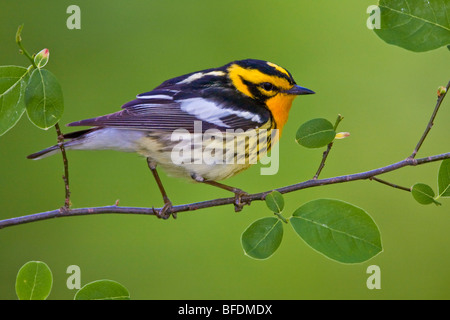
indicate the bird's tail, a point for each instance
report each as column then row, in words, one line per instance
column 44, row 153
column 73, row 136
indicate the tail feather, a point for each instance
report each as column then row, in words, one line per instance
column 44, row 153
column 55, row 149
column 98, row 138
column 77, row 134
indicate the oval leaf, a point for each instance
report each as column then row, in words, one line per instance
column 44, row 99
column 444, row 178
column 275, row 201
column 103, row 290
column 262, row 238
column 315, row 133
column 12, row 90
column 415, row 25
column 34, row 281
column 338, row 230
column 423, row 194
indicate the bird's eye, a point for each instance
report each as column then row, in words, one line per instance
column 267, row 86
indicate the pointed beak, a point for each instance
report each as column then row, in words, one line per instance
column 297, row 90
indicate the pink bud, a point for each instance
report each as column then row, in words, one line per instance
column 441, row 91
column 342, row 135
column 41, row 58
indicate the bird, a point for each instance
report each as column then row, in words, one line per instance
column 229, row 113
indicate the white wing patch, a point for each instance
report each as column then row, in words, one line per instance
column 199, row 75
column 209, row 111
column 155, row 96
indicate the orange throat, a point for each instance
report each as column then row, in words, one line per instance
column 279, row 106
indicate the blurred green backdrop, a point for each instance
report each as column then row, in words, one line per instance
column 385, row 93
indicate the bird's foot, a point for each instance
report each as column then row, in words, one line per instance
column 166, row 211
column 238, row 202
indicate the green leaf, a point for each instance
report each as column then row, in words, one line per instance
column 444, row 178
column 415, row 25
column 12, row 90
column 423, row 194
column 262, row 238
column 315, row 133
column 275, row 201
column 338, row 230
column 44, row 99
column 34, row 281
column 103, row 290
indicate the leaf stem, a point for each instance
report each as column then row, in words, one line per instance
column 389, row 184
column 338, row 120
column 22, row 49
column 280, row 216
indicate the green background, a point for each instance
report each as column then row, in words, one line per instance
column 385, row 93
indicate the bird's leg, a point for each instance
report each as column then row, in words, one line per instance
column 166, row 210
column 238, row 193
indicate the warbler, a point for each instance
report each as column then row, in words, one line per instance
column 203, row 112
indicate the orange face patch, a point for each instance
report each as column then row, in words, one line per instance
column 279, row 106
column 277, row 102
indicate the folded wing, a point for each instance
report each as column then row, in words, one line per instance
column 162, row 110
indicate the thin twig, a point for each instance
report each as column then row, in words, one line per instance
column 324, row 158
column 66, row 167
column 223, row 201
column 327, row 151
column 422, row 139
column 390, row 184
column 431, row 122
column 22, row 49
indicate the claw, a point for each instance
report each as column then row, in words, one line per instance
column 238, row 203
column 165, row 212
column 64, row 210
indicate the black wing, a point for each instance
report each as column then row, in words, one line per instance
column 170, row 109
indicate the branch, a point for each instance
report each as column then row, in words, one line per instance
column 441, row 96
column 393, row 185
column 66, row 167
column 223, row 201
column 327, row 151
column 431, row 122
